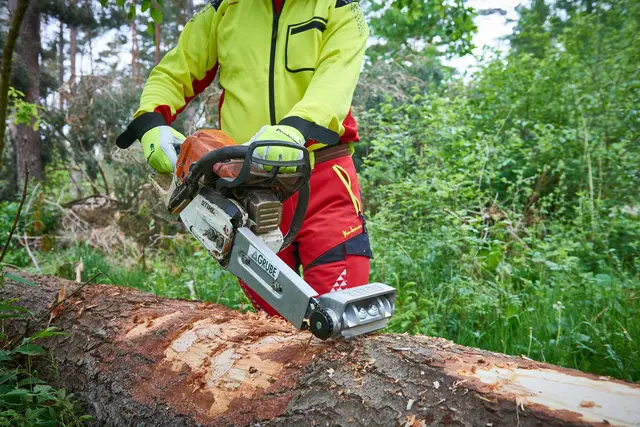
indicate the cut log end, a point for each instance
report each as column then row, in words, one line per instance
column 136, row 359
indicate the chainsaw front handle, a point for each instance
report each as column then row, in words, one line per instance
column 303, row 165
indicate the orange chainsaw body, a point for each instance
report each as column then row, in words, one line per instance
column 201, row 143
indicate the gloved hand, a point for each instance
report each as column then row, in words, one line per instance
column 159, row 146
column 278, row 133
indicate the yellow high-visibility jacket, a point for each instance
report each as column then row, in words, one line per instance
column 298, row 66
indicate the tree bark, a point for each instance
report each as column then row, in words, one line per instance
column 157, row 35
column 60, row 64
column 18, row 8
column 188, row 11
column 28, row 149
column 134, row 55
column 136, row 359
column 73, row 50
column 157, row 43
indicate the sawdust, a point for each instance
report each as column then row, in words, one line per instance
column 217, row 365
column 149, row 325
column 229, row 361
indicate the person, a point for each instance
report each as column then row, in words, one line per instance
column 288, row 70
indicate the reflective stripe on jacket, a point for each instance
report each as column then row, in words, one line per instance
column 296, row 66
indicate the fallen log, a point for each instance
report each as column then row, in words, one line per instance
column 137, row 359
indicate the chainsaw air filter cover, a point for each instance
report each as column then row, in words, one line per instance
column 264, row 209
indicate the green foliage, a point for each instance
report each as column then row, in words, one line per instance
column 39, row 222
column 178, row 269
column 145, row 5
column 413, row 24
column 26, row 399
column 508, row 208
column 24, row 113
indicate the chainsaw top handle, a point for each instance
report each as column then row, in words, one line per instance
column 205, row 164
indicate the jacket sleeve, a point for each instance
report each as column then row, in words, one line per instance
column 187, row 69
column 327, row 101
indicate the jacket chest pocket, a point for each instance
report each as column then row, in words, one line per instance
column 303, row 44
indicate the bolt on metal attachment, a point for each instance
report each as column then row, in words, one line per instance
column 245, row 259
column 373, row 310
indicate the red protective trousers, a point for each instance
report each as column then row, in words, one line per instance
column 332, row 246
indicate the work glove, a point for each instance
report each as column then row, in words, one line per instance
column 278, row 133
column 159, row 146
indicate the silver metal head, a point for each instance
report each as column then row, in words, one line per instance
column 359, row 310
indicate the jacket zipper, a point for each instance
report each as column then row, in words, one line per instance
column 272, row 61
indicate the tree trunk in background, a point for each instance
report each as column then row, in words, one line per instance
column 18, row 9
column 134, row 55
column 90, row 39
column 157, row 35
column 157, row 43
column 188, row 10
column 139, row 360
column 73, row 50
column 60, row 63
column 28, row 150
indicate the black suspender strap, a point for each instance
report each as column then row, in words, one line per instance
column 138, row 127
column 311, row 130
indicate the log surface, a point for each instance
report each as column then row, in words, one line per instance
column 139, row 360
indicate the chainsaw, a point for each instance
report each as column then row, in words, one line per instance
column 231, row 202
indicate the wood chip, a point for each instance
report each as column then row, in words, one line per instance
column 401, row 348
column 79, row 271
column 588, row 404
column 58, row 304
column 410, row 404
column 493, row 399
column 458, row 383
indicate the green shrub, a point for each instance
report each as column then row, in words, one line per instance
column 506, row 211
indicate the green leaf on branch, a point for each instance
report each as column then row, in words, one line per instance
column 51, row 331
column 30, row 381
column 30, row 350
column 18, row 279
column 156, row 15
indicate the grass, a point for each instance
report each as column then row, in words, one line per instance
column 578, row 320
column 548, row 302
column 181, row 271
column 586, row 322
